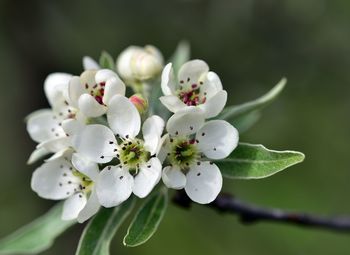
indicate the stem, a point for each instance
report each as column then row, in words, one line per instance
column 249, row 213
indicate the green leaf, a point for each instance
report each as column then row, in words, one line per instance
column 245, row 122
column 38, row 235
column 180, row 56
column 254, row 161
column 106, row 61
column 98, row 234
column 235, row 111
column 147, row 219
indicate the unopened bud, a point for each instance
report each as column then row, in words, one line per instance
column 137, row 63
column 140, row 103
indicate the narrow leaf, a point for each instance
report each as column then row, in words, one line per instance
column 99, row 233
column 180, row 56
column 235, row 111
column 254, row 161
column 36, row 236
column 106, row 61
column 147, row 219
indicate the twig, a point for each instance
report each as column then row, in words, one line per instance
column 249, row 213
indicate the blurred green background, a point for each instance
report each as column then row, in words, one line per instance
column 251, row 44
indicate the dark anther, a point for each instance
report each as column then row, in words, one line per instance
column 102, row 157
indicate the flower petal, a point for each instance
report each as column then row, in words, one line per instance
column 173, row 178
column 73, row 206
column 96, row 143
column 36, row 155
column 168, row 80
column 191, row 72
column 72, row 126
column 217, row 139
column 42, row 125
column 204, row 183
column 172, row 103
column 152, row 130
column 104, row 74
column 89, row 63
column 54, row 86
column 75, row 90
column 186, row 121
column 56, row 144
column 51, row 179
column 91, row 208
column 85, row 166
column 90, row 107
column 66, row 152
column 114, row 186
column 114, row 86
column 214, row 105
column 123, row 117
column 147, row 178
column 211, row 85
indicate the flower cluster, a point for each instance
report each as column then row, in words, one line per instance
column 106, row 146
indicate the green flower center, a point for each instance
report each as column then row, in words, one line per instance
column 132, row 154
column 85, row 182
column 183, row 152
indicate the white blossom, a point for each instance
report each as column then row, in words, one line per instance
column 139, row 64
column 138, row 169
column 70, row 178
column 189, row 146
column 195, row 86
column 92, row 91
column 45, row 126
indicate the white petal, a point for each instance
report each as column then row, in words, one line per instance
column 114, row 86
column 56, row 144
column 123, row 117
column 172, row 103
column 147, row 178
column 75, row 90
column 104, row 74
column 186, row 121
column 54, row 87
column 217, row 139
column 152, row 130
column 85, row 166
column 51, row 179
column 36, row 155
column 96, row 143
column 72, row 126
column 40, row 125
column 211, row 85
column 168, row 80
column 124, row 62
column 114, row 186
column 73, row 205
column 173, row 178
column 91, row 208
column 89, row 63
column 191, row 72
column 163, row 148
column 88, row 78
column 214, row 105
column 90, row 107
column 204, row 183
column 60, row 154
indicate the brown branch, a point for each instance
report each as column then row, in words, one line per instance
column 249, row 213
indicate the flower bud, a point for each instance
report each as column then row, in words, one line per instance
column 140, row 103
column 137, row 63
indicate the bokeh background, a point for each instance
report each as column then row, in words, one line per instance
column 251, row 44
